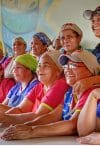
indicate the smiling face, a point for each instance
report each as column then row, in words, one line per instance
column 18, row 48
column 47, row 70
column 20, row 72
column 37, row 47
column 96, row 25
column 69, row 40
column 75, row 72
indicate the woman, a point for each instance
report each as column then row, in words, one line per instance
column 94, row 16
column 25, row 74
column 18, row 48
column 39, row 44
column 70, row 37
column 45, row 96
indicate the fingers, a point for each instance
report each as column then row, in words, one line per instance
column 8, row 133
column 83, row 140
column 76, row 89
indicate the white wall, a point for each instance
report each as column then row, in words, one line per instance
column 62, row 11
column 52, row 14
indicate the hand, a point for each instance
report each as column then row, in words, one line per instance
column 82, row 85
column 17, row 132
column 93, row 138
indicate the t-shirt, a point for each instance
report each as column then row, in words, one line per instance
column 96, row 52
column 98, row 109
column 52, row 98
column 72, row 103
column 5, row 85
column 15, row 95
column 67, row 104
column 84, row 97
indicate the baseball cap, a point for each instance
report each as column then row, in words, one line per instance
column 88, row 14
column 73, row 27
column 89, row 60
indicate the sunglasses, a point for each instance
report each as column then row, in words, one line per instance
column 88, row 14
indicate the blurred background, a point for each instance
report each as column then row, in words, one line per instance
column 26, row 17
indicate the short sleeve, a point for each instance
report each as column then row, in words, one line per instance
column 55, row 95
column 36, row 92
column 83, row 98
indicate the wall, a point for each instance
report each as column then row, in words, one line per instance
column 24, row 18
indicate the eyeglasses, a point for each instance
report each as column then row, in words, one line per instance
column 73, row 65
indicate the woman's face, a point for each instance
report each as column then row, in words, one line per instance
column 20, row 72
column 75, row 72
column 69, row 40
column 56, row 44
column 37, row 47
column 47, row 70
column 96, row 25
column 18, row 48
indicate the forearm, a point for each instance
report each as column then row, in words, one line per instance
column 16, row 118
column 3, row 108
column 54, row 129
column 87, row 117
column 22, row 118
column 50, row 117
column 14, row 110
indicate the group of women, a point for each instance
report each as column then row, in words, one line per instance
column 56, row 93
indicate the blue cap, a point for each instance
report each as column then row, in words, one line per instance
column 63, row 59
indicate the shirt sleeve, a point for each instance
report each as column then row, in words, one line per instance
column 35, row 92
column 5, row 87
column 83, row 99
column 55, row 95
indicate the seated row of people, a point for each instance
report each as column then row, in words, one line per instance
column 47, row 97
column 64, row 117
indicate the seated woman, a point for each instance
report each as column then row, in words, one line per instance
column 5, row 84
column 39, row 44
column 25, row 74
column 45, row 96
column 94, row 17
column 79, row 65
